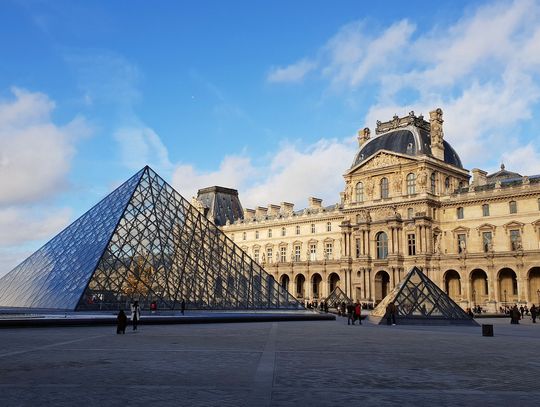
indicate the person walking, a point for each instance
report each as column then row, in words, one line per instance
column 522, row 311
column 183, row 306
column 358, row 313
column 135, row 314
column 391, row 311
column 350, row 310
column 121, row 322
column 534, row 313
column 515, row 315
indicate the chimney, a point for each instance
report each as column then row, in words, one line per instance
column 261, row 212
column 479, row 177
column 287, row 208
column 249, row 214
column 437, row 135
column 314, row 203
column 273, row 210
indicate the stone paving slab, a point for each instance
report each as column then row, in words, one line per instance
column 310, row 363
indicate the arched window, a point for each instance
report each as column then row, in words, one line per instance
column 384, row 188
column 433, row 180
column 382, row 245
column 411, row 184
column 360, row 192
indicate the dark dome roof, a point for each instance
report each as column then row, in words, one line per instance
column 405, row 141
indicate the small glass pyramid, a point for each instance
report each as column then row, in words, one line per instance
column 142, row 242
column 336, row 297
column 419, row 300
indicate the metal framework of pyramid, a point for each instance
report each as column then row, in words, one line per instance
column 337, row 296
column 142, row 242
column 420, row 301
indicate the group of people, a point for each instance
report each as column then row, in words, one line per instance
column 519, row 313
column 122, row 320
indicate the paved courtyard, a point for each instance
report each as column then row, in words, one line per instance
column 319, row 363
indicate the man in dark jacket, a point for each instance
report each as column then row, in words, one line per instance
column 121, row 322
column 534, row 313
column 350, row 310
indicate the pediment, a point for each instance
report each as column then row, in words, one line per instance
column 460, row 230
column 514, row 225
column 382, row 159
column 486, row 227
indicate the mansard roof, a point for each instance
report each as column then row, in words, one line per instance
column 411, row 140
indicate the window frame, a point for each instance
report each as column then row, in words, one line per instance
column 384, row 188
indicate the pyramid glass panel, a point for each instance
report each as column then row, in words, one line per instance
column 143, row 242
column 420, row 300
column 56, row 275
column 336, row 297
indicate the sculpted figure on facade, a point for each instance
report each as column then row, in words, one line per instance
column 370, row 187
column 363, row 216
column 422, row 180
column 397, row 183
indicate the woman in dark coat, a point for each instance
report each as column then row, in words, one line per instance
column 121, row 322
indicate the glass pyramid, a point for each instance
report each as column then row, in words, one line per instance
column 142, row 242
column 420, row 300
column 337, row 296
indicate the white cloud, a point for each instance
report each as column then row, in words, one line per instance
column 294, row 175
column 291, row 175
column 523, row 160
column 20, row 225
column 292, row 73
column 140, row 146
column 482, row 70
column 35, row 153
column 234, row 172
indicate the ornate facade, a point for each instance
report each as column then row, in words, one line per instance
column 407, row 201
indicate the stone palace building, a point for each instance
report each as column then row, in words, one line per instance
column 407, row 201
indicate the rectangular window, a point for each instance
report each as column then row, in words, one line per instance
column 269, row 232
column 297, row 253
column 460, row 212
column 256, row 255
column 312, row 228
column 283, row 254
column 485, row 210
column 312, row 252
column 358, row 245
column 328, row 252
column 244, row 236
column 487, row 241
column 256, row 234
column 269, row 255
column 513, row 206
column 328, row 226
column 283, row 231
column 462, row 242
column 297, row 229
column 515, row 239
column 411, row 243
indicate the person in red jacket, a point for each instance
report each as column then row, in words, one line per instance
column 357, row 313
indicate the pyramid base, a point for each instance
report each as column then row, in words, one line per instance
column 434, row 321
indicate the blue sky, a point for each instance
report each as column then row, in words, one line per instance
column 262, row 96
